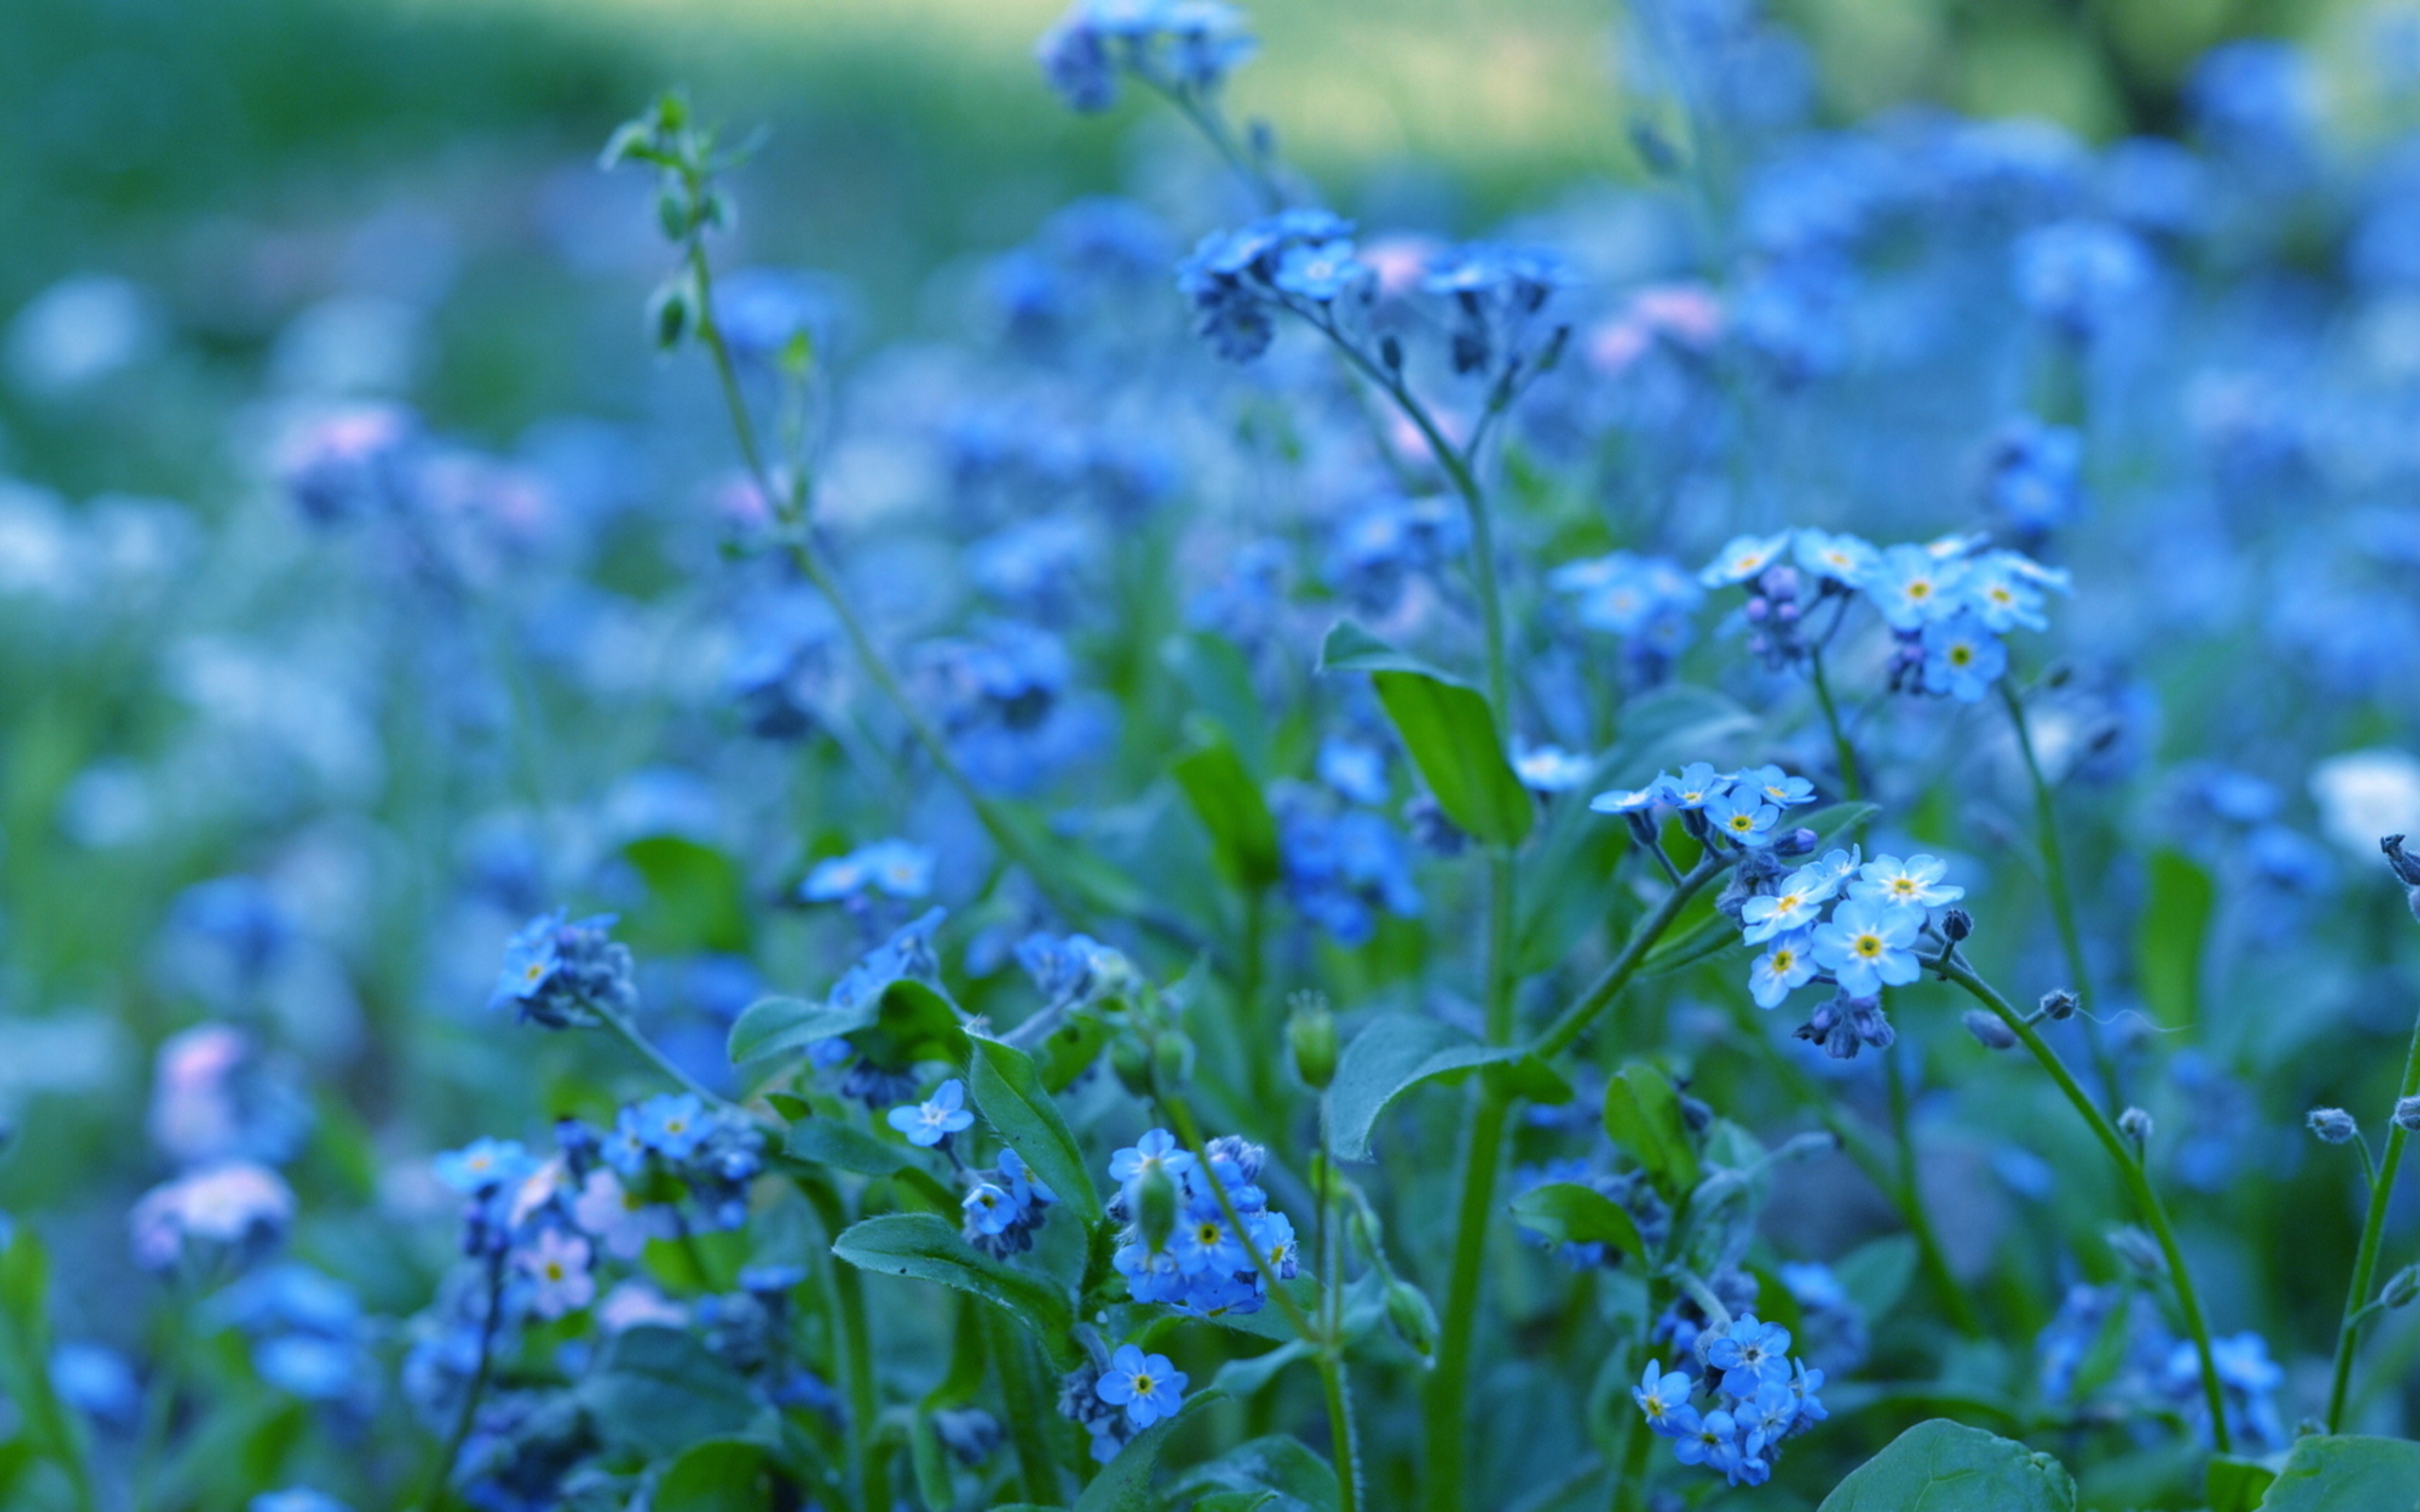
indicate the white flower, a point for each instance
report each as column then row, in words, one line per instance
column 2365, row 794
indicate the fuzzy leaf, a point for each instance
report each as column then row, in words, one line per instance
column 720, row 1475
column 656, row 1391
column 1007, row 1089
column 1396, row 1052
column 928, row 1248
column 1568, row 1212
column 1945, row 1467
column 1243, row 833
column 2346, row 1473
column 1643, row 1116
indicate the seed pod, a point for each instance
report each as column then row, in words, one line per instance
column 1412, row 1314
column 1310, row 1035
column 1988, row 1030
column 2058, row 1004
column 1155, row 1208
column 2136, row 1125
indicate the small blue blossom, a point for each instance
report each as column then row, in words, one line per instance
column 1146, row 1386
column 935, row 1118
column 1746, row 557
column 1663, row 1396
column 1743, row 818
column 1787, row 964
column 1962, row 658
column 1915, row 881
column 1750, row 1354
column 1865, row 945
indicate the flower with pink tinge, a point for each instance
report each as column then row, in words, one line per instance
column 1614, row 345
column 238, row 1207
column 1688, row 315
column 193, row 1117
column 558, row 1262
column 1401, row 262
column 619, row 1218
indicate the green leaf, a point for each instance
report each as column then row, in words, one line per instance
column 1278, row 1466
column 928, row 1248
column 1070, row 1049
column 1243, row 833
column 1643, row 1116
column 913, row 1022
column 1569, row 1212
column 1125, row 1484
column 2170, row 936
column 1453, row 741
column 1396, row 1052
column 827, row 1142
column 1007, row 1089
column 1351, row 648
column 656, row 1391
column 720, row 1475
column 1945, row 1467
column 48, row 1428
column 2236, row 1485
column 697, row 900
column 1218, row 681
column 1447, row 726
column 771, row 1026
column 1245, row 1376
column 2346, row 1473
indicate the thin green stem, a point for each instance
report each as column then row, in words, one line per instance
column 1575, row 1020
column 2130, row 1170
column 2063, row 903
column 436, row 1493
column 869, row 1473
column 1852, row 786
column 629, row 1035
column 1448, row 1384
column 2365, row 1260
column 1913, row 1207
column 1630, row 1482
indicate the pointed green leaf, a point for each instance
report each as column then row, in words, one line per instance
column 1125, row 1484
column 2169, row 938
column 1643, row 1116
column 656, row 1391
column 1007, row 1089
column 771, row 1026
column 1243, row 833
column 2236, row 1485
column 1568, row 1212
column 1397, row 1052
column 927, row 1247
column 2347, row 1474
column 1351, row 648
column 1278, row 1466
column 720, row 1475
column 1452, row 740
column 1945, row 1467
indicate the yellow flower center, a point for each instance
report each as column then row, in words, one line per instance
column 1868, row 945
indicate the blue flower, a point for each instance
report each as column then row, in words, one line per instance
column 1746, row 557
column 935, row 1118
column 2078, row 274
column 1698, row 785
column 1154, row 1152
column 1742, row 817
column 1320, row 272
column 670, row 1124
column 1777, row 786
column 1799, row 895
column 485, row 1165
column 1962, row 658
column 1146, row 1386
column 1842, row 558
column 1550, row 769
column 1663, row 1396
column 1911, row 587
column 2035, row 476
column 1750, row 1354
column 1785, row 965
column 1630, row 800
column 1915, row 881
column 1357, row 770
column 1865, row 946
column 1715, row 1435
column 898, row 868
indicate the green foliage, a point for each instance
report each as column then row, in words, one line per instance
column 720, row 1475
column 2347, row 1474
column 657, row 1391
column 1643, row 1116
column 1567, row 1212
column 1447, row 727
column 2170, row 936
column 928, row 1248
column 1941, row 1466
column 1243, row 833
column 1395, row 1053
column 1008, row 1090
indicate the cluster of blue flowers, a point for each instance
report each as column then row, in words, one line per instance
column 1743, row 810
column 1758, row 1397
column 1181, row 46
column 1200, row 1265
column 562, row 973
column 1856, row 925
column 2138, row 1365
column 1948, row 603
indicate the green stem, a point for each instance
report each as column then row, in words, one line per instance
column 1913, row 1208
column 1340, row 1429
column 2365, row 1260
column 441, row 1475
column 1630, row 1483
column 1448, row 1384
column 1576, row 1019
column 629, row 1035
column 2129, row 1169
column 2063, row 903
column 788, row 504
column 1842, row 753
column 869, row 1473
column 1023, row 1381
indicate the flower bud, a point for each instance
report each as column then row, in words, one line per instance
column 1414, row 1316
column 1155, row 1208
column 2401, row 1287
column 1310, row 1035
column 1988, row 1030
column 2406, row 867
column 2407, row 1114
column 1799, row 842
column 2140, row 1252
column 2333, row 1125
column 1132, row 1064
column 1173, row 1059
column 2136, row 1125
column 2058, row 1004
column 1955, row 924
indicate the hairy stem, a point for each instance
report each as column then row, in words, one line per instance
column 2365, row 1260
column 2063, row 903
column 2130, row 1170
column 1575, row 1020
column 1911, row 1195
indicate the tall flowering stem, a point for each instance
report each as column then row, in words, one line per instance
column 2063, row 902
column 1325, row 1336
column 438, row 1491
column 2130, row 1170
column 2365, row 1260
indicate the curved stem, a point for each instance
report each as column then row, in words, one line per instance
column 2063, row 903
column 1576, row 1019
column 2129, row 1169
column 1842, row 753
column 1913, row 1207
column 2365, row 1260
column 629, row 1035
column 863, row 1391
